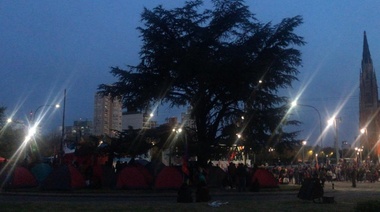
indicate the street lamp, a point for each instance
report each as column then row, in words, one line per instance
column 359, row 154
column 303, row 151
column 294, row 104
column 179, row 131
column 364, row 132
column 34, row 123
column 333, row 121
column 30, row 131
column 33, row 115
column 61, row 153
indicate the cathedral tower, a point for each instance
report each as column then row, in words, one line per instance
column 369, row 119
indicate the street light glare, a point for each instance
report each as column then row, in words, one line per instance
column 294, row 103
column 32, row 131
column 57, row 106
column 330, row 121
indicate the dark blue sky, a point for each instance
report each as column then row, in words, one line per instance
column 47, row 46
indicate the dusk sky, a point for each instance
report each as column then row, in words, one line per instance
column 47, row 46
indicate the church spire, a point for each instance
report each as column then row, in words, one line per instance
column 366, row 54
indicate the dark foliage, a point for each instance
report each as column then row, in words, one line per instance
column 223, row 63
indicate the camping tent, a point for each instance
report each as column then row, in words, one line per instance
column 264, row 178
column 64, row 177
column 147, row 175
column 170, row 177
column 155, row 167
column 19, row 177
column 133, row 177
column 41, row 171
column 215, row 176
column 104, row 176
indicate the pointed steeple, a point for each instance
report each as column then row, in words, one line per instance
column 366, row 54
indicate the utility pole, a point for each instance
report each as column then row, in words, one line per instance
column 63, row 126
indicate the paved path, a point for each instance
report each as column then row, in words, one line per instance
column 342, row 192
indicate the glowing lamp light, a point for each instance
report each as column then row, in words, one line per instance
column 32, row 131
column 330, row 121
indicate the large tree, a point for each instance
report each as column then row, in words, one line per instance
column 222, row 62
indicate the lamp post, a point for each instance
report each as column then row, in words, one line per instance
column 61, row 153
column 333, row 121
column 178, row 131
column 32, row 129
column 271, row 156
column 364, row 132
column 359, row 154
column 33, row 114
column 294, row 103
column 303, row 151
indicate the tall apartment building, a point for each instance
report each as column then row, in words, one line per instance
column 79, row 128
column 187, row 121
column 107, row 115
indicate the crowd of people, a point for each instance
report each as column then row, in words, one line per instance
column 345, row 171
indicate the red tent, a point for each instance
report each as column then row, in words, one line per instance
column 22, row 178
column 215, row 176
column 132, row 177
column 64, row 177
column 147, row 175
column 169, row 178
column 264, row 178
column 104, row 176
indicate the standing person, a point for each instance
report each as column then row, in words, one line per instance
column 241, row 173
column 354, row 174
column 232, row 174
column 202, row 193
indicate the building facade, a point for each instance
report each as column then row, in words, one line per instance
column 137, row 121
column 369, row 116
column 107, row 115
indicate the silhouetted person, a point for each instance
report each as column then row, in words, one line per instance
column 184, row 194
column 202, row 194
column 232, row 174
column 241, row 173
column 354, row 176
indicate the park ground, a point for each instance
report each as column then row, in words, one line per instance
column 283, row 199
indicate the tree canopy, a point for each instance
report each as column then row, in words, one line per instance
column 223, row 63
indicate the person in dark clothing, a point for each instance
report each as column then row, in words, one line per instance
column 184, row 194
column 241, row 173
column 231, row 174
column 354, row 175
column 202, row 194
